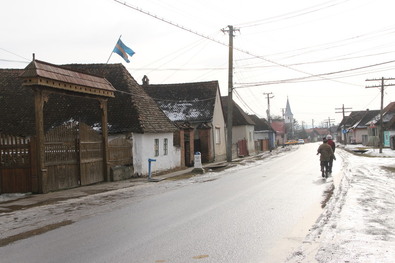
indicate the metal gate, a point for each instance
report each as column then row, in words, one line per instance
column 73, row 156
column 15, row 164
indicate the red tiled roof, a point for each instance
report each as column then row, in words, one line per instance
column 278, row 126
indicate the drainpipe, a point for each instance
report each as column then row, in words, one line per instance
column 213, row 139
column 149, row 167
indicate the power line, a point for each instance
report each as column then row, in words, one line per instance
column 14, row 54
column 289, row 15
column 322, row 76
column 252, row 84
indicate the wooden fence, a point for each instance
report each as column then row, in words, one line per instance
column 15, row 164
column 73, row 156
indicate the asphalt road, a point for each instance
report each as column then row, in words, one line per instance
column 256, row 212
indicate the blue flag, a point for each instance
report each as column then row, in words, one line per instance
column 122, row 50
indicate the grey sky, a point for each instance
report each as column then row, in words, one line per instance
column 280, row 45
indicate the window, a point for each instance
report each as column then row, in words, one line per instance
column 156, row 147
column 165, row 146
column 217, row 135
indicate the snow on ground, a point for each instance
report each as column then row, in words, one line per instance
column 358, row 223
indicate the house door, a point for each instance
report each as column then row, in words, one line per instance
column 15, row 165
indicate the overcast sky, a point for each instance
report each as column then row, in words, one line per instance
column 318, row 53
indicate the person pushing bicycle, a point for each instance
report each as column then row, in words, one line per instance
column 326, row 154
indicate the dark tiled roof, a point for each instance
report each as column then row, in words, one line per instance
column 261, row 124
column 16, row 104
column 132, row 110
column 350, row 120
column 369, row 115
column 193, row 102
column 239, row 117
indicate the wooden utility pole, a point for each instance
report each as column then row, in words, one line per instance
column 268, row 105
column 329, row 122
column 344, row 132
column 381, row 130
column 229, row 124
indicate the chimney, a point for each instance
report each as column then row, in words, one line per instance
column 145, row 80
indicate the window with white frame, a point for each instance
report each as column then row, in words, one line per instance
column 156, row 147
column 165, row 146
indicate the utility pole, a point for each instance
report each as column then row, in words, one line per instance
column 268, row 105
column 229, row 124
column 327, row 122
column 381, row 132
column 344, row 132
column 312, row 123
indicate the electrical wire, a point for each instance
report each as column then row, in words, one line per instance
column 293, row 14
column 253, row 84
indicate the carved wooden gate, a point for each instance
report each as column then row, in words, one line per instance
column 73, row 156
column 15, row 164
column 91, row 155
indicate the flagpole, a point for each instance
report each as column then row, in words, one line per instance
column 113, row 50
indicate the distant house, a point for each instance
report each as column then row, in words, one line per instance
column 373, row 126
column 264, row 135
column 280, row 129
column 133, row 117
column 196, row 108
column 242, row 129
column 316, row 134
column 358, row 132
column 347, row 122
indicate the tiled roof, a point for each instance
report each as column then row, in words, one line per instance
column 193, row 102
column 239, row 117
column 350, row 120
column 261, row 124
column 132, row 110
column 365, row 120
column 278, row 126
column 16, row 104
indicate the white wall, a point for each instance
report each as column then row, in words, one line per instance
column 219, row 122
column 357, row 134
column 244, row 132
column 144, row 149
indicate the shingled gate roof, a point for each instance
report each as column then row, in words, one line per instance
column 192, row 102
column 132, row 110
column 53, row 76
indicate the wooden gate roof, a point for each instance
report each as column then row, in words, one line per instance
column 49, row 75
